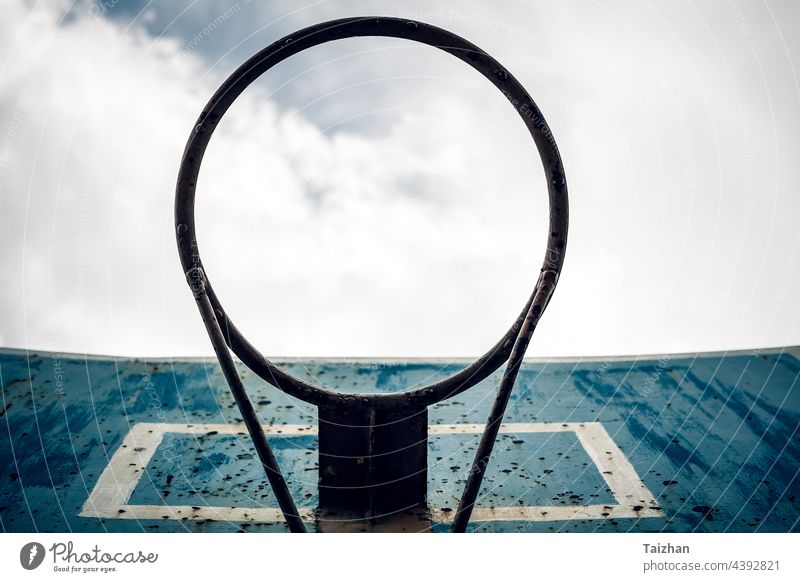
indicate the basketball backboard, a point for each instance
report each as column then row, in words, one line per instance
column 700, row 442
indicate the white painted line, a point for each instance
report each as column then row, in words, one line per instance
column 547, row 513
column 109, row 498
column 505, row 428
column 625, row 485
column 121, row 476
column 286, row 429
column 244, row 514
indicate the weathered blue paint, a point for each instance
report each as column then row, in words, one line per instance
column 714, row 437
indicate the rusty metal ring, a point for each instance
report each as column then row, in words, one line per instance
column 337, row 30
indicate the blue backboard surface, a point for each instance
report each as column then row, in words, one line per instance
column 704, row 442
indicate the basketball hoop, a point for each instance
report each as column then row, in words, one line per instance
column 372, row 447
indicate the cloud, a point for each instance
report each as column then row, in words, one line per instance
column 308, row 236
column 356, row 202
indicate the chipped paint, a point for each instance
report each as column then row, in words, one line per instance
column 714, row 442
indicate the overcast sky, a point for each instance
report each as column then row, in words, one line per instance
column 371, row 197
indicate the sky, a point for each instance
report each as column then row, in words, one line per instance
column 373, row 197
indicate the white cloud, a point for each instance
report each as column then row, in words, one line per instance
column 421, row 236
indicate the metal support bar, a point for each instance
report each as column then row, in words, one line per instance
column 544, row 289
column 196, row 279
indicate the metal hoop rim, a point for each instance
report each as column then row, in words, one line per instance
column 312, row 36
